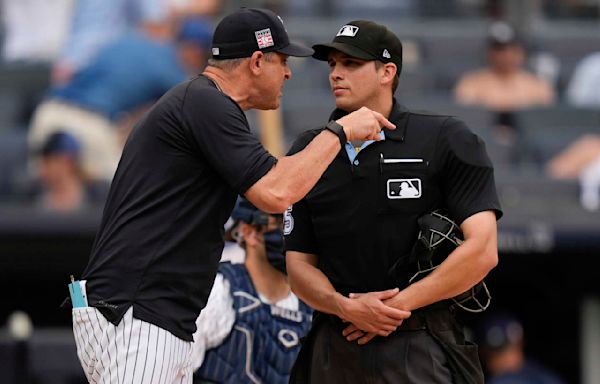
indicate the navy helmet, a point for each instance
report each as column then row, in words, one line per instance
column 245, row 211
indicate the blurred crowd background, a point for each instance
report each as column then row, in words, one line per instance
column 75, row 76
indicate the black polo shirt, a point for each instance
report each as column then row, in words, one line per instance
column 362, row 216
column 161, row 235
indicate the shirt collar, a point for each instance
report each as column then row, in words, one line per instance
column 398, row 116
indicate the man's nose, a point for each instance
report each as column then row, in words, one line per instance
column 288, row 73
column 335, row 74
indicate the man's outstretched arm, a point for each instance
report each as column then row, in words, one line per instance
column 294, row 176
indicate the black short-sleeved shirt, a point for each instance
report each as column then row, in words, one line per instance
column 161, row 235
column 361, row 217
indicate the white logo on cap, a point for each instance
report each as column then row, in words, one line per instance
column 348, row 30
column 280, row 19
column 264, row 38
column 215, row 51
column 386, row 54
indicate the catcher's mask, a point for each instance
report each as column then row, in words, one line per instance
column 245, row 211
column 438, row 237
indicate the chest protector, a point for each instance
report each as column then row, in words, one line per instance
column 264, row 341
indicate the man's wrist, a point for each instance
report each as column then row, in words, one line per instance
column 338, row 130
column 339, row 304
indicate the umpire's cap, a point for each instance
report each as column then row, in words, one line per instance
column 365, row 40
column 247, row 30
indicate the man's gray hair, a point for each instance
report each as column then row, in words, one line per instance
column 231, row 64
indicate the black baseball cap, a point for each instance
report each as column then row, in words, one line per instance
column 247, row 30
column 365, row 40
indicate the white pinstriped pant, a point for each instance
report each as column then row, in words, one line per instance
column 132, row 352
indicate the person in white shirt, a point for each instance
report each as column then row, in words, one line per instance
column 250, row 329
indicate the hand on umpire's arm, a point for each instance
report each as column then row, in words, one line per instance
column 294, row 176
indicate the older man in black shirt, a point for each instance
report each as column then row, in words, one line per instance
column 155, row 257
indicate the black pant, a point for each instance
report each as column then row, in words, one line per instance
column 426, row 350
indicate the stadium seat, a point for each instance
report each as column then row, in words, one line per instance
column 13, row 160
column 22, row 87
column 547, row 131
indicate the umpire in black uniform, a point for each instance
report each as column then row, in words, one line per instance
column 360, row 219
column 156, row 254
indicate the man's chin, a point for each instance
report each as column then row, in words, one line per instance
column 344, row 105
column 269, row 107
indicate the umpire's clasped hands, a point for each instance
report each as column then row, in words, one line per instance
column 370, row 316
column 364, row 124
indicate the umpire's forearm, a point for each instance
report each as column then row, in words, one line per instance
column 311, row 285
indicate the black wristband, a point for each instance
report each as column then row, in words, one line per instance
column 336, row 128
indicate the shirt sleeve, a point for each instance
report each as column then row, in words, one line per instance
column 221, row 131
column 298, row 229
column 215, row 321
column 467, row 173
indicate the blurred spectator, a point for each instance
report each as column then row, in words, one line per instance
column 501, row 341
column 35, row 30
column 191, row 8
column 250, row 329
column 504, row 85
column 62, row 185
column 581, row 161
column 95, row 23
column 583, row 89
column 570, row 162
column 125, row 78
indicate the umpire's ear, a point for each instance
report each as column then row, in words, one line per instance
column 255, row 62
column 387, row 73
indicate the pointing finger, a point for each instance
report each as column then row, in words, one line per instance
column 383, row 122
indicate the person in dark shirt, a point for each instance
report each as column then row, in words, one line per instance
column 61, row 184
column 156, row 253
column 349, row 241
column 502, row 341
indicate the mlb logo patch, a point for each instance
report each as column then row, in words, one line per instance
column 404, row 188
column 348, row 30
column 264, row 38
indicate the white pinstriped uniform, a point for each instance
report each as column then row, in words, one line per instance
column 132, row 352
